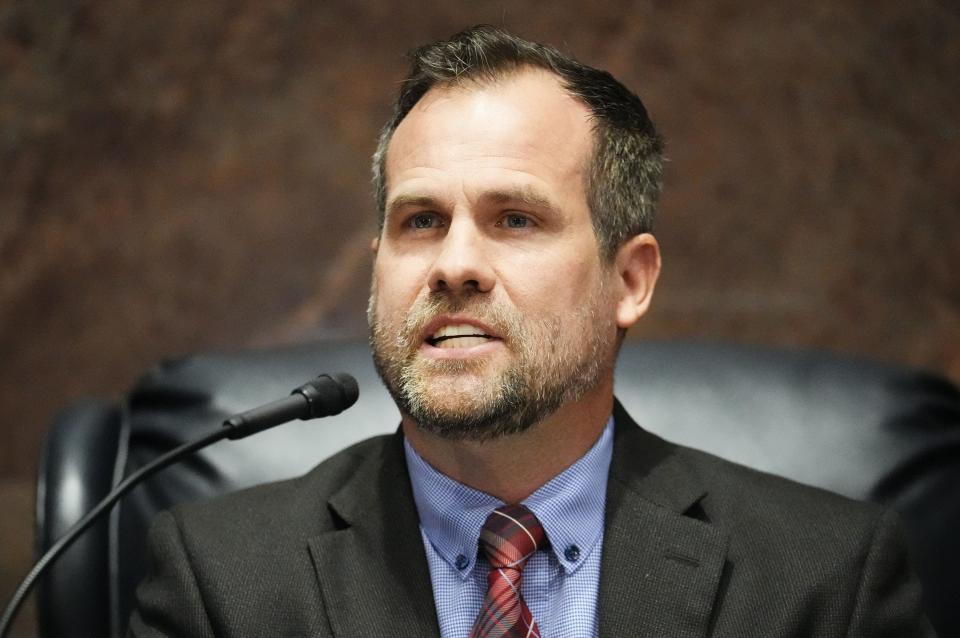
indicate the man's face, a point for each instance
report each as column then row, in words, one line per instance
column 490, row 306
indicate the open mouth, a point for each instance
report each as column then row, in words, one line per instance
column 461, row 335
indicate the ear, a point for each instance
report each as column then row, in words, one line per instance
column 375, row 245
column 637, row 264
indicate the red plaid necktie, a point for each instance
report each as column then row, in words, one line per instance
column 509, row 537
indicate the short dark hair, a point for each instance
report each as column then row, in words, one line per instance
column 624, row 180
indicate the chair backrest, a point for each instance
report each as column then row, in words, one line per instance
column 866, row 430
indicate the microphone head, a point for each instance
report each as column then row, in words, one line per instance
column 351, row 391
column 329, row 394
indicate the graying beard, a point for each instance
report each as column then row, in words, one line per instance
column 517, row 405
column 510, row 412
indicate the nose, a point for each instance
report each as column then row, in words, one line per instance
column 462, row 263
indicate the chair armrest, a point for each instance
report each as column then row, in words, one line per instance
column 76, row 471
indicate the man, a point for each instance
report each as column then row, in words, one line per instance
column 516, row 189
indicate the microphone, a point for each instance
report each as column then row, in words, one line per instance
column 325, row 395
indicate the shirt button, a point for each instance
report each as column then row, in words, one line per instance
column 462, row 562
column 572, row 553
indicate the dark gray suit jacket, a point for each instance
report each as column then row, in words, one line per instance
column 693, row 546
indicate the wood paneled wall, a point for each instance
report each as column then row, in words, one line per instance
column 186, row 176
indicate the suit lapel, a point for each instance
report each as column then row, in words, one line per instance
column 373, row 572
column 661, row 569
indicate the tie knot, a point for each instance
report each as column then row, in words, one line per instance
column 510, row 536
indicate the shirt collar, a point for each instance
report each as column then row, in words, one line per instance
column 570, row 507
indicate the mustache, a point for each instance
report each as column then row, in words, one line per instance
column 497, row 315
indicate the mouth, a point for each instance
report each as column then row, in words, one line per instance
column 459, row 335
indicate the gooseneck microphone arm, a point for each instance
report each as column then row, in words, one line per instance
column 324, row 396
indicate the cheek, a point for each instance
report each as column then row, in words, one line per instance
column 396, row 284
column 562, row 281
column 544, row 292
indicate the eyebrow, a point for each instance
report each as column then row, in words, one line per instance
column 523, row 195
column 402, row 201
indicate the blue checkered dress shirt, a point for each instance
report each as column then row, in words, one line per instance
column 559, row 585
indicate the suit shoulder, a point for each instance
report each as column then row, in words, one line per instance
column 225, row 559
column 771, row 520
column 746, row 489
column 266, row 504
column 801, row 548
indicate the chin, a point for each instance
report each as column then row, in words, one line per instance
column 460, row 406
column 457, row 394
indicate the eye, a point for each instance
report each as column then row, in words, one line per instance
column 424, row 220
column 515, row 220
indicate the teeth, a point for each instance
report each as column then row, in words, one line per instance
column 457, row 330
column 462, row 342
column 461, row 335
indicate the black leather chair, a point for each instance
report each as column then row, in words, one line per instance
column 866, row 430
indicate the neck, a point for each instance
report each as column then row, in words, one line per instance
column 513, row 467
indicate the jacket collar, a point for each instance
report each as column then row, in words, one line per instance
column 373, row 572
column 661, row 566
column 660, row 572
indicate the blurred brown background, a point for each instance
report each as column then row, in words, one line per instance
column 186, row 176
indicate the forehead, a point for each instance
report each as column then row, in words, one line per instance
column 524, row 129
